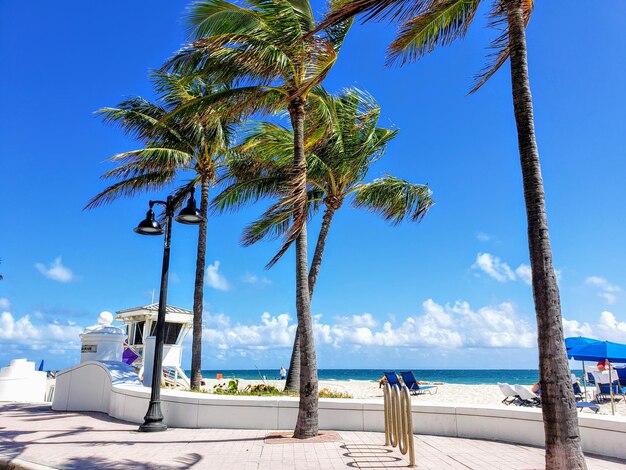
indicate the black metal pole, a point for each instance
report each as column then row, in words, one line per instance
column 153, row 421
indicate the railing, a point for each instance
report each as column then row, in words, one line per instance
column 175, row 376
column 399, row 421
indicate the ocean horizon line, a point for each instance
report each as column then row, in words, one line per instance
column 451, row 376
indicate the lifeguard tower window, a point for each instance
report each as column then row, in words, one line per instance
column 172, row 330
column 138, row 336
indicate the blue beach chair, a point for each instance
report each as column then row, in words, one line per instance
column 605, row 391
column 590, row 378
column 392, row 379
column 414, row 387
column 578, row 393
column 581, row 405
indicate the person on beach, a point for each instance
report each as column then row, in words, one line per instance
column 536, row 389
column 603, row 373
column 382, row 381
column 283, row 374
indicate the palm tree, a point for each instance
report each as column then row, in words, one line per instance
column 172, row 146
column 268, row 51
column 426, row 24
column 337, row 164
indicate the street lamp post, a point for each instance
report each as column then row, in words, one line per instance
column 153, row 421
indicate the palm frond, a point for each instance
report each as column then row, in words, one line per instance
column 344, row 10
column 501, row 44
column 154, row 157
column 303, row 7
column 272, row 225
column 394, row 199
column 444, row 22
column 211, row 17
column 245, row 192
column 131, row 187
column 232, row 103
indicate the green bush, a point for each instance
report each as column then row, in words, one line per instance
column 232, row 388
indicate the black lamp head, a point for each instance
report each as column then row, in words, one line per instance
column 149, row 226
column 190, row 215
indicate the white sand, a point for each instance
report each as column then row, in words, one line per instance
column 489, row 395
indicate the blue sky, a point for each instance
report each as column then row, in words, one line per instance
column 449, row 292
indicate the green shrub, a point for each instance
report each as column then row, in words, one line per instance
column 327, row 393
column 268, row 390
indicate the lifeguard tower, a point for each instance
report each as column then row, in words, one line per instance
column 141, row 323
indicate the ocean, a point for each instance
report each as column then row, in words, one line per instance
column 455, row 376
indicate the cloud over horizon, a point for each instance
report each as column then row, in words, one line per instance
column 22, row 335
column 497, row 269
column 213, row 278
column 607, row 290
column 607, row 328
column 449, row 326
column 253, row 279
column 56, row 271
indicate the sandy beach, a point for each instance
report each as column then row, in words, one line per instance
column 486, row 394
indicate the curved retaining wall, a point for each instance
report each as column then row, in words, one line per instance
column 110, row 388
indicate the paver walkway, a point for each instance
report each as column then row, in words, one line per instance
column 37, row 435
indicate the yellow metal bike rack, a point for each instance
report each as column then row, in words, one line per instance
column 399, row 421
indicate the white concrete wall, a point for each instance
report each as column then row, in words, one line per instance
column 88, row 386
column 19, row 381
column 602, row 435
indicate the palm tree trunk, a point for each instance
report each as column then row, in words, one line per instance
column 198, row 293
column 293, row 373
column 307, row 424
column 562, row 438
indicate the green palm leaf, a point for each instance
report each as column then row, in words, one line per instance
column 440, row 25
column 394, row 199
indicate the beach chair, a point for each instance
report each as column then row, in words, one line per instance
column 620, row 371
column 414, row 387
column 510, row 395
column 585, row 405
column 578, row 393
column 527, row 397
column 603, row 391
column 392, row 379
column 590, row 378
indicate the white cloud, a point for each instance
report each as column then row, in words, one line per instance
column 366, row 320
column 214, row 279
column 608, row 291
column 56, row 271
column 441, row 326
column 502, row 272
column 249, row 278
column 608, row 327
column 4, row 303
column 272, row 332
column 494, row 267
column 575, row 328
column 525, row 274
column 219, row 320
column 483, row 237
column 55, row 337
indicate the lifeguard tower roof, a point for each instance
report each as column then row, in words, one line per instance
column 172, row 314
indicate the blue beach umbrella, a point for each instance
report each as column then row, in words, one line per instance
column 577, row 341
column 599, row 351
column 574, row 342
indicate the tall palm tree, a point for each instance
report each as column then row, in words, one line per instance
column 268, row 50
column 337, row 163
column 172, row 146
column 425, row 24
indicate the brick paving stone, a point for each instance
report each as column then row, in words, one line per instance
column 68, row 440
